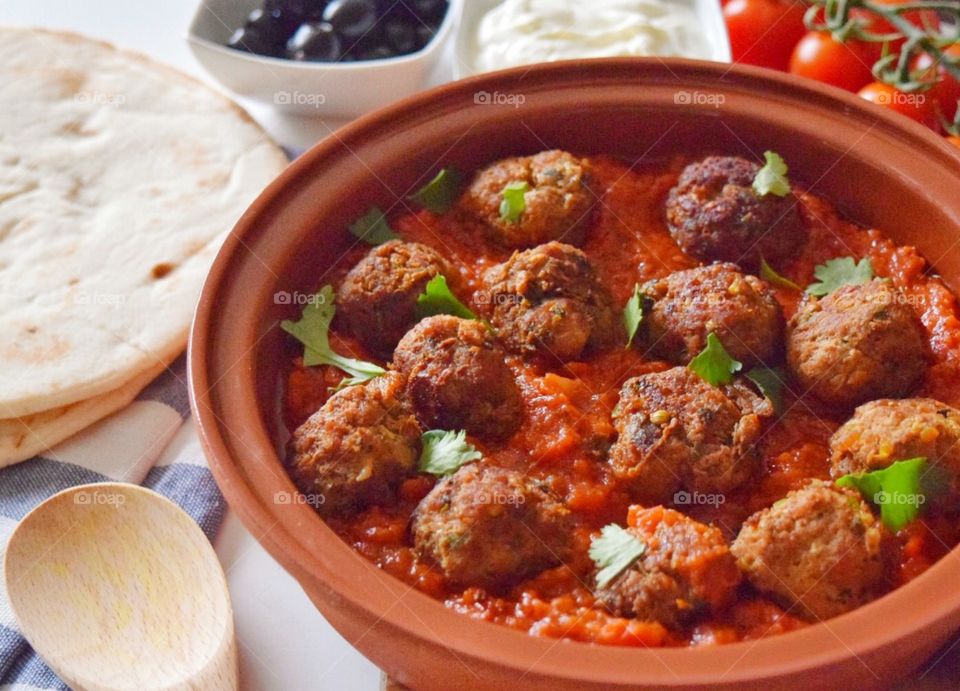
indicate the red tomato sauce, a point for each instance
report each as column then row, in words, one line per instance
column 568, row 419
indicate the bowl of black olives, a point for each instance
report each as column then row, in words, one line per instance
column 328, row 58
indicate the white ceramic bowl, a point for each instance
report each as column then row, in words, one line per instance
column 334, row 90
column 709, row 12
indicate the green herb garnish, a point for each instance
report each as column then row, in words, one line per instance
column 633, row 314
column 768, row 274
column 439, row 194
column 895, row 489
column 714, row 365
column 514, row 203
column 614, row 551
column 444, row 452
column 437, row 298
column 312, row 330
column 770, row 383
column 772, row 177
column 373, row 228
column 834, row 273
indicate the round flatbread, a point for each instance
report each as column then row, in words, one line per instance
column 119, row 178
column 25, row 437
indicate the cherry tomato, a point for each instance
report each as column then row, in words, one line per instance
column 918, row 106
column 764, row 32
column 878, row 25
column 954, row 140
column 946, row 92
column 846, row 65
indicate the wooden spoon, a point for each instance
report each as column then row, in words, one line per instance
column 117, row 588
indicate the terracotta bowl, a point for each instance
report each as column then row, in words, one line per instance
column 876, row 167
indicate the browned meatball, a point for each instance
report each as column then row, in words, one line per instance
column 858, row 343
column 675, row 432
column 457, row 378
column 491, row 527
column 549, row 300
column 714, row 214
column 356, row 449
column 688, row 305
column 378, row 298
column 558, row 201
column 686, row 570
column 819, row 549
column 883, row 432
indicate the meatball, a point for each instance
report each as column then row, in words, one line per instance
column 858, row 343
column 457, row 378
column 686, row 570
column 557, row 203
column 688, row 305
column 378, row 298
column 491, row 527
column 675, row 431
column 549, row 300
column 819, row 549
column 714, row 214
column 889, row 430
column 355, row 450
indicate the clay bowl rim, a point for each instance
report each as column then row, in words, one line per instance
column 883, row 622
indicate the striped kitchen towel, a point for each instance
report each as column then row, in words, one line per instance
column 150, row 442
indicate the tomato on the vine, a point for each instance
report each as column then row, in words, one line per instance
column 946, row 92
column 954, row 140
column 916, row 106
column 846, row 65
column 764, row 32
column 876, row 24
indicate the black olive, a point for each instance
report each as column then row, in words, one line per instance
column 250, row 40
column 378, row 53
column 289, row 13
column 429, row 9
column 425, row 34
column 269, row 25
column 400, row 36
column 315, row 41
column 352, row 19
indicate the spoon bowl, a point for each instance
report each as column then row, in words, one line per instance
column 117, row 588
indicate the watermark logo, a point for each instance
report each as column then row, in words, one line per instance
column 98, row 498
column 499, row 98
column 99, row 98
column 299, row 98
column 282, row 498
column 698, row 98
column 684, row 498
column 98, row 299
column 282, row 297
column 499, row 499
column 497, row 299
column 899, row 499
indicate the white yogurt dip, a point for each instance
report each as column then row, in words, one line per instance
column 521, row 32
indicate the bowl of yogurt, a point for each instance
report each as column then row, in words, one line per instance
column 498, row 34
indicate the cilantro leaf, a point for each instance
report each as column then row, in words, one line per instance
column 714, row 365
column 437, row 298
column 770, row 276
column 439, row 194
column 633, row 314
column 615, row 551
column 373, row 228
column 834, row 273
column 312, row 330
column 514, row 203
column 444, row 452
column 895, row 489
column 770, row 383
column 772, row 178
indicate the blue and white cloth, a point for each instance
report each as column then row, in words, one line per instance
column 151, row 442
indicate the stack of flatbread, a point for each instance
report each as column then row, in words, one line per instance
column 119, row 179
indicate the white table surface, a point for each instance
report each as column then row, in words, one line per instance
column 284, row 642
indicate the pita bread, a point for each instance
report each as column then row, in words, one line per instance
column 23, row 438
column 119, row 179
